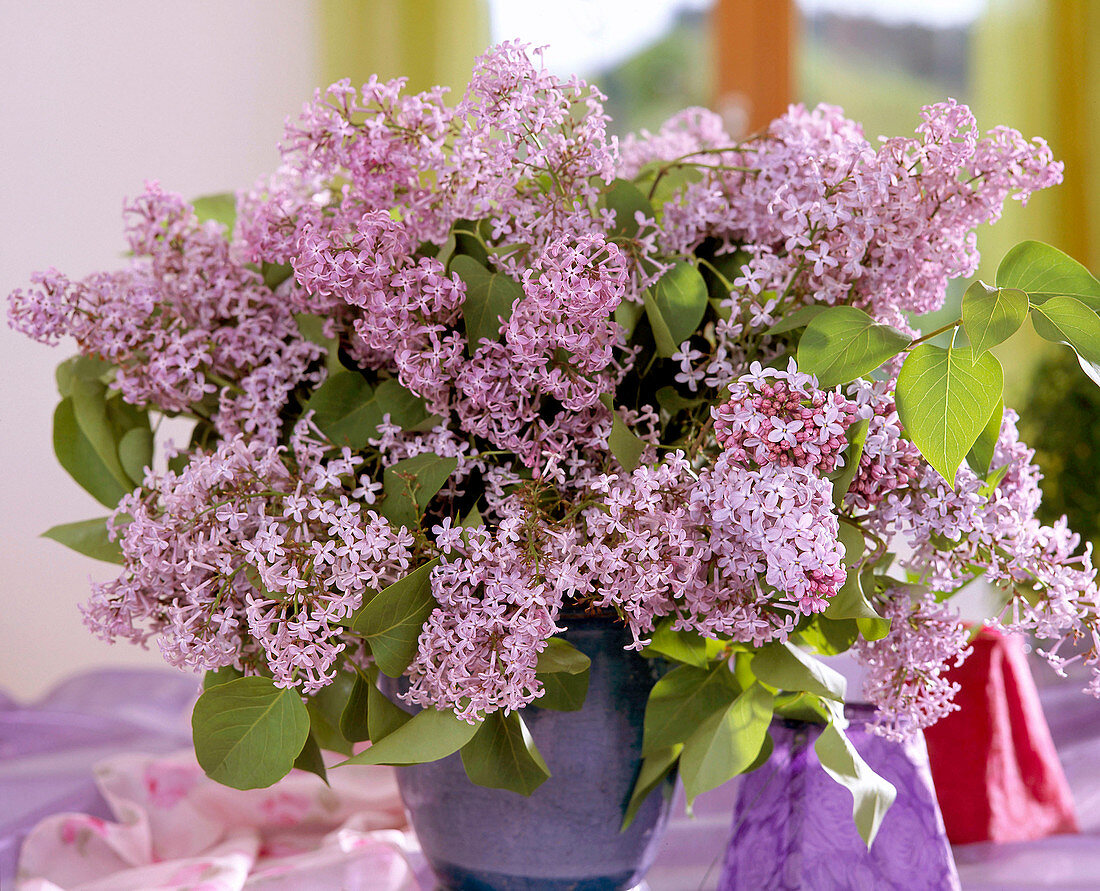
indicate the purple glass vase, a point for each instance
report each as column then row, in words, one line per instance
column 793, row 829
column 565, row 836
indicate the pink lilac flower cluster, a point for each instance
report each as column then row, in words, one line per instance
column 732, row 550
column 353, row 255
column 774, row 538
column 781, row 417
column 480, row 647
column 250, row 556
column 555, row 349
column 185, row 322
column 905, row 669
column 641, row 546
column 949, row 535
column 522, row 150
column 1049, row 587
column 406, row 307
column 825, row 218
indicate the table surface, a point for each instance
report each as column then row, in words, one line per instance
column 47, row 751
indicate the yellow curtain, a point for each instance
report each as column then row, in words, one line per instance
column 1033, row 70
column 1036, row 69
column 428, row 41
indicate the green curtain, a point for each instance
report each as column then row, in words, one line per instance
column 429, row 41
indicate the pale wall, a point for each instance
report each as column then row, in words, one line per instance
column 94, row 99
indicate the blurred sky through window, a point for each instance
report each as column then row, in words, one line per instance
column 587, row 36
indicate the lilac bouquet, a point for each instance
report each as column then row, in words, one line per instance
column 461, row 374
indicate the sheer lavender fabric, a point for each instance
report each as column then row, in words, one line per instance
column 47, row 751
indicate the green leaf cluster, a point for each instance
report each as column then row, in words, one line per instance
column 702, row 718
column 949, row 397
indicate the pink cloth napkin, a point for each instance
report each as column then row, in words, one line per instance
column 997, row 773
column 176, row 829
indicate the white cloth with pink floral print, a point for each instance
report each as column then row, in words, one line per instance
column 176, row 829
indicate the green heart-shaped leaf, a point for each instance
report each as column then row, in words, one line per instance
column 800, row 318
column 1044, row 271
column 135, row 453
column 356, row 712
column 83, row 461
column 944, row 400
column 624, row 443
column 310, row 759
column 871, row 794
column 490, row 297
column 560, row 655
column 502, row 755
column 427, row 736
column 675, row 306
column 727, row 743
column 392, row 620
column 626, row 199
column 562, row 692
column 655, row 767
column 221, row 208
column 410, row 484
column 248, row 732
column 786, row 667
column 87, row 537
column 383, row 716
column 682, row 700
column 992, row 315
column 842, row 479
column 348, row 410
column 843, row 343
column 1068, row 320
column 980, row 456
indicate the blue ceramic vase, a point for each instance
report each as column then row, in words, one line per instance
column 566, row 834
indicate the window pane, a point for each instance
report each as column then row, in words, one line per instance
column 651, row 57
